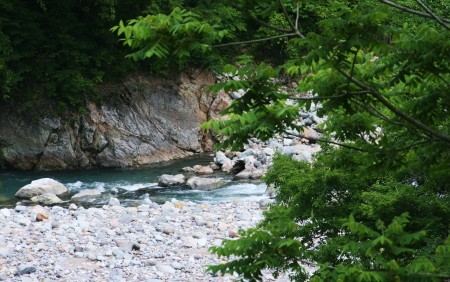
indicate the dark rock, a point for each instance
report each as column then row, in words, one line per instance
column 238, row 166
column 25, row 269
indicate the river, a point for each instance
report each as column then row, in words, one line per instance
column 131, row 185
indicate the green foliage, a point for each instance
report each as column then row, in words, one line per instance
column 55, row 52
column 261, row 112
column 179, row 36
column 262, row 249
column 381, row 76
column 384, row 255
column 311, row 201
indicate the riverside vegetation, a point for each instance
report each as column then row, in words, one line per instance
column 374, row 204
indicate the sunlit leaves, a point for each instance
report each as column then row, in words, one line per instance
column 177, row 36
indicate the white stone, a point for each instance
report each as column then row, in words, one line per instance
column 47, row 199
column 114, row 202
column 86, row 195
column 205, row 184
column 41, row 186
column 5, row 212
column 167, row 180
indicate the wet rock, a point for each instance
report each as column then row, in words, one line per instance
column 40, row 187
column 205, row 184
column 167, row 180
column 203, row 170
column 214, row 166
column 188, row 169
column 87, row 195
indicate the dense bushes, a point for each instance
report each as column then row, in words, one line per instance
column 59, row 50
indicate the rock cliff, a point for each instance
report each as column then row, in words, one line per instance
column 149, row 121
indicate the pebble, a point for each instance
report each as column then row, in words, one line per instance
column 117, row 243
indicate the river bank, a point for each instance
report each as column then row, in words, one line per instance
column 149, row 242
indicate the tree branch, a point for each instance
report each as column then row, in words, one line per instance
column 411, row 11
column 263, row 23
column 286, row 15
column 376, row 113
column 425, row 7
column 328, row 142
column 317, row 97
column 395, row 110
column 255, row 40
column 288, row 18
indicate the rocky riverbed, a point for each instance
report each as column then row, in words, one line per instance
column 149, row 242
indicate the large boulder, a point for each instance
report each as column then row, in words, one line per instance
column 205, row 184
column 167, row 180
column 40, row 187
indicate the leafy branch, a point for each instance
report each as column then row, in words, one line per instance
column 428, row 10
column 394, row 109
column 411, row 11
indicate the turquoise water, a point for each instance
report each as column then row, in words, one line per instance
column 131, row 185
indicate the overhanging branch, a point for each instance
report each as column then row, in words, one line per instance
column 411, row 11
column 263, row 23
column 256, row 40
column 382, row 100
column 428, row 10
column 323, row 140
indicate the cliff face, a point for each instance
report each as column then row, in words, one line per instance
column 152, row 121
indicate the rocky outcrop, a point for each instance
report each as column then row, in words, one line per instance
column 139, row 122
column 41, row 187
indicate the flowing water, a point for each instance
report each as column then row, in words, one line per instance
column 131, row 185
